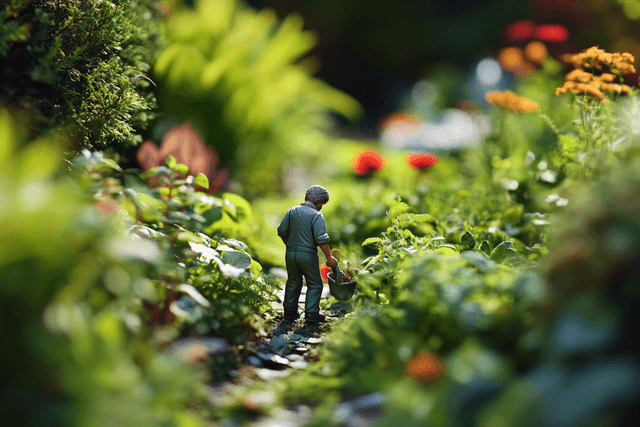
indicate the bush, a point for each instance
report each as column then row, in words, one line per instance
column 80, row 65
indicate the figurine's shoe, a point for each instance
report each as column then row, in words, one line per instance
column 315, row 318
column 291, row 317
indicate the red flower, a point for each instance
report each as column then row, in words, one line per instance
column 419, row 161
column 186, row 145
column 425, row 367
column 366, row 163
column 552, row 33
column 519, row 31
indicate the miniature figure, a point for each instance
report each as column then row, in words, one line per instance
column 303, row 229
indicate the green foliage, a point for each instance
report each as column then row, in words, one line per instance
column 226, row 294
column 73, row 290
column 239, row 77
column 81, row 65
column 631, row 8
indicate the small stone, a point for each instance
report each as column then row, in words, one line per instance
column 278, row 343
column 255, row 361
column 294, row 357
column 273, row 360
column 311, row 340
column 300, row 350
column 269, row 374
column 299, row 364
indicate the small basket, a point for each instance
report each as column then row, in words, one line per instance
column 341, row 291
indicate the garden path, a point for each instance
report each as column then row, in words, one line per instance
column 286, row 348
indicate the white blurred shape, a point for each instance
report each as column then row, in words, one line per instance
column 455, row 129
column 488, row 72
column 34, row 195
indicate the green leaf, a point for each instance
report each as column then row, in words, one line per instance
column 110, row 163
column 237, row 259
column 159, row 170
column 371, row 240
column 228, row 270
column 193, row 293
column 423, row 218
column 502, row 251
column 171, row 162
column 236, row 244
column 182, row 169
column 207, row 254
column 256, row 267
column 201, row 180
column 468, row 241
column 484, row 247
column 397, row 208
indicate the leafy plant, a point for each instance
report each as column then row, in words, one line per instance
column 239, row 76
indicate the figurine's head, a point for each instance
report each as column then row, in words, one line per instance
column 318, row 195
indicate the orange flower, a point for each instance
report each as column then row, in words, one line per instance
column 536, row 51
column 398, row 120
column 596, row 71
column 511, row 101
column 186, row 145
column 419, row 161
column 425, row 367
column 366, row 163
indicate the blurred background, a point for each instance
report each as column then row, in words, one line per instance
column 378, row 50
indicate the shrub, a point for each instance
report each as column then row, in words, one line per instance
column 80, row 65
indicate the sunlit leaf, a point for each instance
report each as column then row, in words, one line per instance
column 237, row 259
column 193, row 293
column 201, row 180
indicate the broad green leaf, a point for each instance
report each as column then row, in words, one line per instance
column 502, row 251
column 159, row 170
column 447, row 249
column 213, row 214
column 371, row 240
column 468, row 241
column 237, row 259
column 484, row 247
column 229, row 270
column 206, row 253
column 256, row 267
column 201, row 180
column 422, row 218
column 110, row 163
column 171, row 162
column 182, row 169
column 236, row 244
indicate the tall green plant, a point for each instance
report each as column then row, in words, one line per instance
column 240, row 77
column 80, row 65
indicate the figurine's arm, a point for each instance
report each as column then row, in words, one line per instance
column 283, row 228
column 331, row 261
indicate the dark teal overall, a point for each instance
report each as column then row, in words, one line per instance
column 303, row 229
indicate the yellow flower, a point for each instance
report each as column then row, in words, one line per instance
column 511, row 101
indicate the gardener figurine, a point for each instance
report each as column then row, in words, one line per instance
column 303, row 229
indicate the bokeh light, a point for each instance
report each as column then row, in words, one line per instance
column 488, row 72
